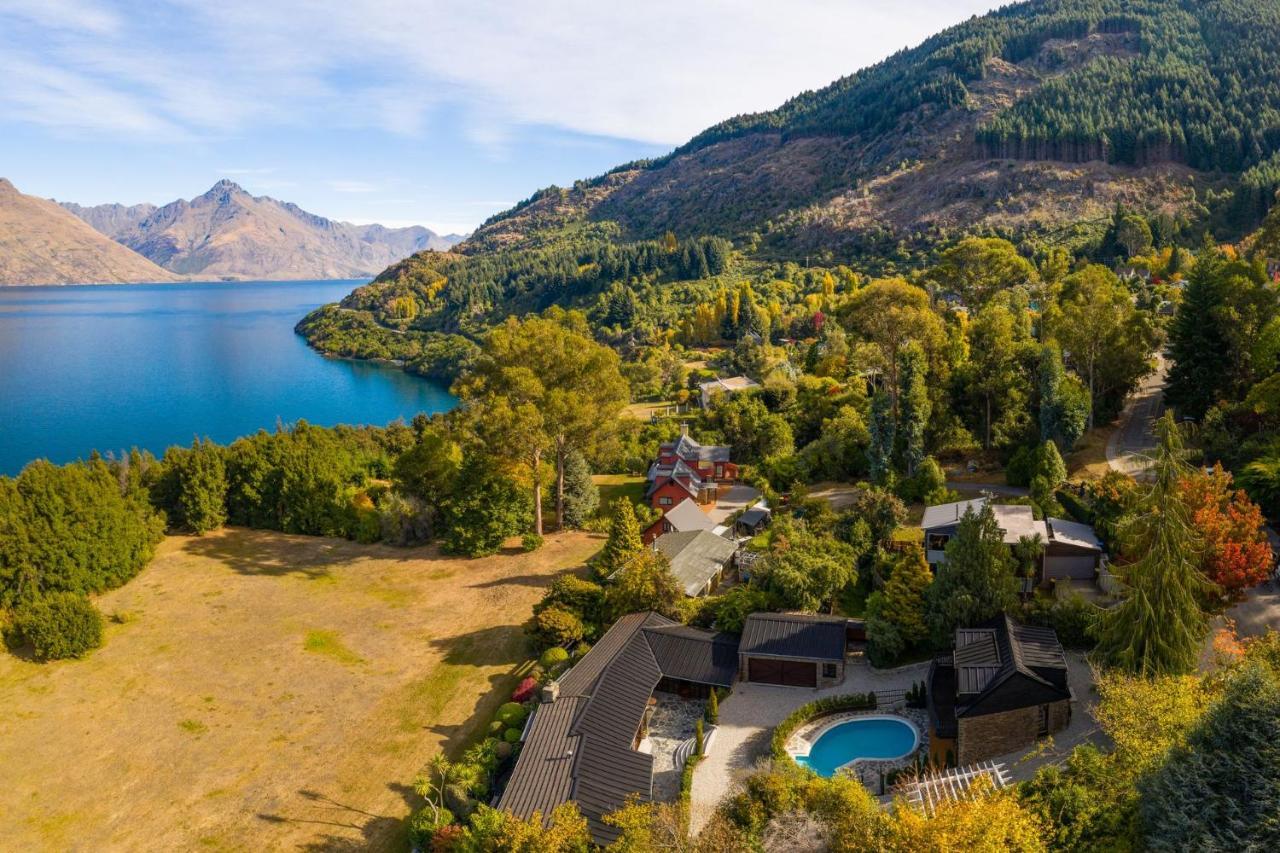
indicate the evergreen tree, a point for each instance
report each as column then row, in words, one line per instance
column 1064, row 402
column 913, row 405
column 1158, row 626
column 1198, row 345
column 976, row 581
column 880, row 451
column 192, row 487
column 623, row 543
column 904, row 595
column 1049, row 465
column 581, row 495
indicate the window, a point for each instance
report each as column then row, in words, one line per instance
column 938, row 541
column 664, row 501
column 828, row 670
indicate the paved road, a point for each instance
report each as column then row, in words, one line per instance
column 994, row 488
column 1133, row 441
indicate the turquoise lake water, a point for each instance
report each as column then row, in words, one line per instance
column 117, row 366
column 869, row 738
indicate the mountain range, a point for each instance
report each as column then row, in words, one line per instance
column 41, row 243
column 1036, row 116
column 226, row 233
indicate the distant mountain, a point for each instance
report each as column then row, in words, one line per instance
column 42, row 243
column 1037, row 116
column 228, row 233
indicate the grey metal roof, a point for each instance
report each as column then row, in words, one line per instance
column 943, row 515
column 696, row 556
column 690, row 655
column 787, row 635
column 686, row 448
column 579, row 746
column 1074, row 533
column 1017, row 521
column 687, row 516
column 1030, row 667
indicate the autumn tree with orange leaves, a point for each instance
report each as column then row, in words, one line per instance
column 1237, row 555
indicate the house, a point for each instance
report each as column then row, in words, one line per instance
column 684, row 517
column 1003, row 687
column 732, row 385
column 1273, row 269
column 699, row 558
column 795, row 650
column 753, row 521
column 584, row 741
column 1071, row 549
column 686, row 469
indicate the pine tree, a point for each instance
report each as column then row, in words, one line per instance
column 880, row 450
column 904, row 595
column 1064, row 401
column 581, row 495
column 977, row 579
column 1158, row 626
column 913, row 405
column 624, row 542
column 1198, row 343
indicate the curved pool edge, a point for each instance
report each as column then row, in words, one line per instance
column 840, row 719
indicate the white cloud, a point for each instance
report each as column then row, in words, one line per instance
column 657, row 71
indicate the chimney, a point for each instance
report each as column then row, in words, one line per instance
column 684, row 429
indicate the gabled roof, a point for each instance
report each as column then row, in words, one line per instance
column 1001, row 665
column 579, row 744
column 1015, row 520
column 688, row 449
column 754, row 515
column 788, row 635
column 696, row 556
column 687, row 516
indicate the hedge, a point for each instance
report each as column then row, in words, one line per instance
column 686, row 789
column 818, row 708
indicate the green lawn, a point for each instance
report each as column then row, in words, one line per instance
column 615, row 486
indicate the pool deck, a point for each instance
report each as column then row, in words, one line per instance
column 749, row 716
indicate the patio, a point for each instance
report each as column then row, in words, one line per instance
column 671, row 724
column 750, row 714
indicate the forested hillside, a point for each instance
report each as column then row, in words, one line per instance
column 1017, row 122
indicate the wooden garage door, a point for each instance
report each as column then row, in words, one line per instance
column 792, row 673
column 764, row 671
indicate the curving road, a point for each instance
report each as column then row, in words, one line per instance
column 1132, row 442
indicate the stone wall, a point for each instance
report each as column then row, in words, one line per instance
column 989, row 735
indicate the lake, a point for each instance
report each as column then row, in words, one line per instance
column 109, row 367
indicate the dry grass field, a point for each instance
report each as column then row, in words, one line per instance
column 258, row 691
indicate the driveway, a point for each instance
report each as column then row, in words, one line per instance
column 1259, row 612
column 1133, row 441
column 736, row 497
column 749, row 716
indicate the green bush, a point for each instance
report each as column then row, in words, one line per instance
column 511, row 735
column 817, row 708
column 553, row 657
column 556, row 626
column 512, row 713
column 60, row 625
column 531, row 542
column 1075, row 506
column 496, row 727
column 424, row 823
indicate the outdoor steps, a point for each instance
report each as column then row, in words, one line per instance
column 685, row 749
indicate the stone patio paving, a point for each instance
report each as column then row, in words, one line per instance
column 750, row 714
column 672, row 723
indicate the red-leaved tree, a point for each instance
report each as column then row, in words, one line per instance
column 1237, row 555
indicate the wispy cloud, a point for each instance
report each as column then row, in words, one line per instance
column 655, row 72
column 353, row 186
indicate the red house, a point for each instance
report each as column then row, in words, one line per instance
column 687, row 469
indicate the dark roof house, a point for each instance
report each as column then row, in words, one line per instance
column 582, row 739
column 1012, row 676
column 793, row 650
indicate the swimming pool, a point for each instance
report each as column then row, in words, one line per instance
column 880, row 738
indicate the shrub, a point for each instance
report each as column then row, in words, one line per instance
column 503, row 750
column 816, row 708
column 511, row 736
column 1021, row 467
column 578, row 596
column 512, row 713
column 699, row 742
column 713, row 706
column 531, row 542
column 60, row 625
column 553, row 657
column 556, row 626
column 525, row 691
column 424, row 824
column 1074, row 506
column 884, row 642
column 447, row 838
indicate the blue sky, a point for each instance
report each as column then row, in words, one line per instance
column 439, row 113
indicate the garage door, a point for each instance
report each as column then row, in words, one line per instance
column 1069, row 567
column 792, row 673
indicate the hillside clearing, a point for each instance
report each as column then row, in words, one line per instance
column 263, row 691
